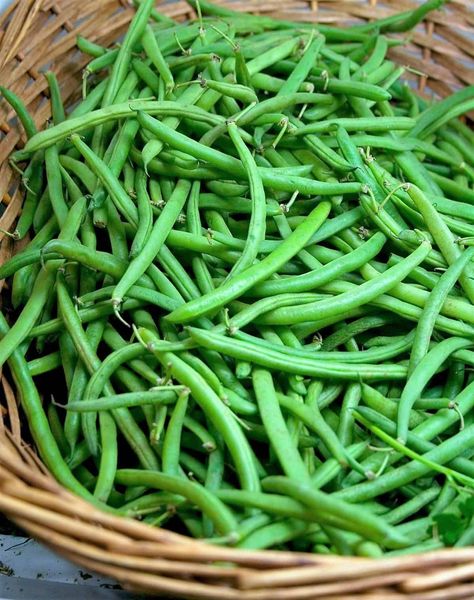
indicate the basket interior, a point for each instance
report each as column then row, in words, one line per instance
column 37, row 35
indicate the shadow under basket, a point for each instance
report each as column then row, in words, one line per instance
column 36, row 35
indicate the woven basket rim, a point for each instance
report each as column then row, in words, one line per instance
column 150, row 559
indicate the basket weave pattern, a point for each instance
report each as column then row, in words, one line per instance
column 36, row 35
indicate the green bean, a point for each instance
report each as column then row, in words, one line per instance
column 99, row 379
column 441, row 234
column 276, row 504
column 177, row 273
column 303, row 68
column 351, row 400
column 57, row 107
column 136, row 292
column 274, row 359
column 284, row 182
column 101, row 261
column 193, row 219
column 40, row 292
column 271, row 56
column 453, row 307
column 373, row 355
column 57, row 429
column 314, row 421
column 256, row 231
column 331, row 468
column 148, row 76
column 88, row 47
column 412, row 507
column 149, row 503
column 108, row 457
column 455, row 380
column 387, row 407
column 153, row 51
column 266, row 22
column 102, row 171
column 376, row 58
column 117, row 161
column 188, row 62
column 22, row 112
column 122, row 61
column 238, row 404
column 193, row 467
column 420, row 275
column 73, row 422
column 205, row 371
column 288, row 455
column 38, row 423
column 269, row 83
column 441, row 454
column 317, row 145
column 115, row 341
column 44, row 364
column 201, row 432
column 80, row 170
column 155, row 396
column 20, row 261
column 220, row 515
column 433, row 305
column 217, row 412
column 452, row 188
column 86, row 315
column 457, row 142
column 145, row 214
column 42, row 211
column 420, row 376
column 104, row 60
column 365, row 293
column 358, row 89
column 353, row 329
column 158, row 235
column 274, row 534
column 232, row 205
column 23, row 279
column 461, row 464
column 362, row 174
column 53, row 176
column 357, row 519
column 397, row 445
column 357, row 124
column 172, row 439
column 232, row 90
column 35, row 184
column 254, row 274
column 431, row 118
column 326, row 273
column 128, row 427
column 98, row 117
column 360, row 140
column 225, row 189
column 403, row 21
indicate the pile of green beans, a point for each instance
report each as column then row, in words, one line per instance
column 243, row 308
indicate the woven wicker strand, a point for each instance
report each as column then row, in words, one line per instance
column 36, row 35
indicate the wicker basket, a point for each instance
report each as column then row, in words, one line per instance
column 35, row 34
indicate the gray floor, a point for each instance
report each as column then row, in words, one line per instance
column 29, row 571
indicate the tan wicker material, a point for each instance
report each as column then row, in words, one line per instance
column 40, row 34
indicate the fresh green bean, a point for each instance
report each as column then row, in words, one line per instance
column 420, row 376
column 220, row 515
column 278, row 360
column 217, row 412
column 239, row 284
